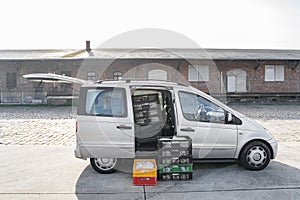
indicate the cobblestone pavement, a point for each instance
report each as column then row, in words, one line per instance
column 21, row 125
column 38, row 132
column 269, row 112
column 26, row 125
column 282, row 120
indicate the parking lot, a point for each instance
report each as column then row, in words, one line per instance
column 52, row 172
column 37, row 162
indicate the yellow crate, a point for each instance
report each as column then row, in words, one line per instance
column 144, row 168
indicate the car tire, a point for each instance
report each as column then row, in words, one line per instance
column 255, row 156
column 104, row 165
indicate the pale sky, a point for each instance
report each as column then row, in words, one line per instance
column 62, row 24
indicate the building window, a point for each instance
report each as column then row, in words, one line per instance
column 11, row 80
column 117, row 75
column 66, row 73
column 274, row 73
column 198, row 73
column 158, row 74
column 91, row 76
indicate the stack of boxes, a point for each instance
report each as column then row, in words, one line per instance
column 146, row 109
column 175, row 160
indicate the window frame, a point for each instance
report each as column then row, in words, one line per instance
column 159, row 72
column 197, row 121
column 93, row 77
column 66, row 73
column 10, row 82
column 276, row 77
column 83, row 110
column 117, row 75
column 197, row 70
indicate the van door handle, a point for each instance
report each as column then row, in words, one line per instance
column 188, row 129
column 124, row 127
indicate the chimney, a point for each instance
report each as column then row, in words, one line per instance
column 88, row 45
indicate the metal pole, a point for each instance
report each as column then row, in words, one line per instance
column 221, row 79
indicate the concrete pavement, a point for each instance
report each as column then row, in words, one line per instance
column 52, row 172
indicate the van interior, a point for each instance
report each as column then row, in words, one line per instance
column 153, row 117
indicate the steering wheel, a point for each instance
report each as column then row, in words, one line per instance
column 201, row 112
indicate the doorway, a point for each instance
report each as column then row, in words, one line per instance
column 231, row 83
column 236, row 80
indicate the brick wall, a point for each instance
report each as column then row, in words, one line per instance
column 27, row 91
column 177, row 70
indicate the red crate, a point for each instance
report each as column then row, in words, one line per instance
column 138, row 181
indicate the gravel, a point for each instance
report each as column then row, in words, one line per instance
column 27, row 125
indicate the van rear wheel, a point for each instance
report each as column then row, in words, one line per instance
column 104, row 165
column 255, row 156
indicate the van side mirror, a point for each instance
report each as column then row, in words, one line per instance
column 229, row 117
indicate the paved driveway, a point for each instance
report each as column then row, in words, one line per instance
column 52, row 172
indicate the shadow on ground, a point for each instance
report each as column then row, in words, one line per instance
column 210, row 181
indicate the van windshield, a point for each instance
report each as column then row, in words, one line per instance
column 106, row 102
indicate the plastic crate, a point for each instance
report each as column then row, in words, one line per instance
column 144, row 168
column 175, row 160
column 175, row 168
column 144, row 172
column 166, row 152
column 150, row 181
column 175, row 176
column 146, row 109
column 175, row 142
column 145, row 98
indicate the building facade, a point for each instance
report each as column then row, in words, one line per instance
column 237, row 74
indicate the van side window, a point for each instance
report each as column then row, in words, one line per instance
column 197, row 108
column 106, row 102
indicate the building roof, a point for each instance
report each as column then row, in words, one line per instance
column 39, row 54
column 215, row 54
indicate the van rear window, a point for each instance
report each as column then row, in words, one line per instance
column 106, row 102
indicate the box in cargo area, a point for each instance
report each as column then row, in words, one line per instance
column 146, row 109
column 144, row 172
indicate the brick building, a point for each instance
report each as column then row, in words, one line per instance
column 239, row 74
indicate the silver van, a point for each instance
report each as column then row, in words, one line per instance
column 119, row 119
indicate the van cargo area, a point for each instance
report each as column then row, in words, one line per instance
column 153, row 117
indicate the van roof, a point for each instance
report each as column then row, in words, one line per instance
column 134, row 83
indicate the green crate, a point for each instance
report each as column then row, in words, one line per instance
column 175, row 168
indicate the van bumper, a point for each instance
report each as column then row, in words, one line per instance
column 274, row 146
column 77, row 153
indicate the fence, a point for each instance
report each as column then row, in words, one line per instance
column 23, row 97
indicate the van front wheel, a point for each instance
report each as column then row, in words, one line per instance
column 255, row 156
column 104, row 165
